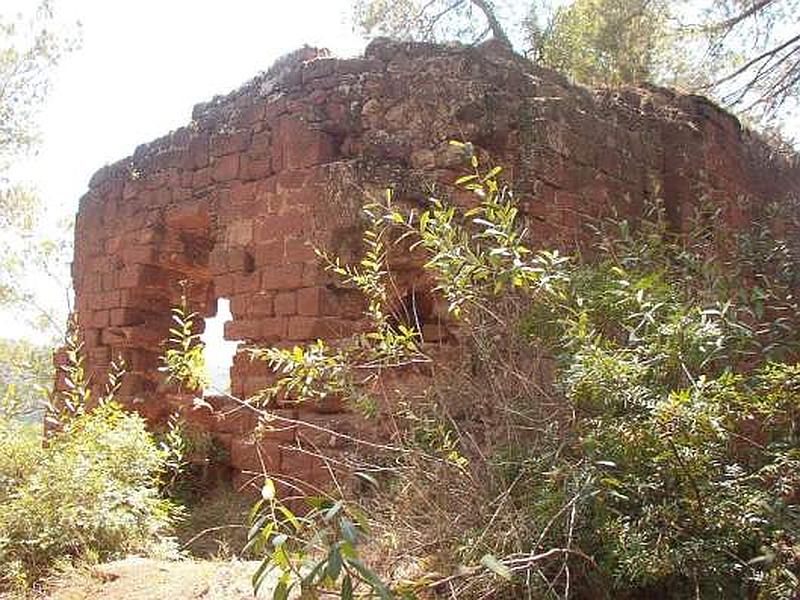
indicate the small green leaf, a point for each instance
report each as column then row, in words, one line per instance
column 465, row 179
column 374, row 581
column 349, row 531
column 281, row 591
column 367, row 477
column 258, row 529
column 258, row 576
column 268, row 491
column 347, row 588
column 311, row 578
column 334, row 563
column 290, row 516
column 491, row 174
column 496, row 567
column 333, row 511
column 347, row 550
column 423, row 220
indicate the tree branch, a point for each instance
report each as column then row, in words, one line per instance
column 497, row 30
column 734, row 21
column 749, row 64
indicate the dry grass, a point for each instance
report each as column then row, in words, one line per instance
column 215, row 526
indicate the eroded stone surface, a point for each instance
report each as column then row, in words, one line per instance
column 235, row 201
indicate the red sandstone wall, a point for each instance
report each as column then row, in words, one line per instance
column 235, row 201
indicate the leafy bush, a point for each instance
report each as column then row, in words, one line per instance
column 26, row 372
column 690, row 444
column 21, row 445
column 93, row 492
column 621, row 425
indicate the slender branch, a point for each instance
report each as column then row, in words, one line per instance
column 733, row 21
column 211, row 530
column 514, row 564
column 428, row 34
column 749, row 64
column 497, row 30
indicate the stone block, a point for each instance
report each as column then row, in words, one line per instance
column 99, row 356
column 224, row 285
column 253, row 169
column 282, row 277
column 242, row 192
column 240, row 305
column 280, row 226
column 297, row 145
column 202, row 178
column 323, row 430
column 285, row 303
column 239, row 260
column 300, row 250
column 311, row 301
column 321, row 301
column 269, row 253
column 272, row 329
column 297, row 465
column 260, row 456
column 261, row 305
column 291, row 180
column 91, row 337
column 218, row 260
column 126, row 316
column 312, row 328
column 134, row 336
column 247, row 330
column 246, row 282
column 196, row 156
column 225, row 168
column 260, row 146
column 317, row 68
column 229, row 143
column 193, row 214
column 239, row 233
column 100, row 319
column 142, row 255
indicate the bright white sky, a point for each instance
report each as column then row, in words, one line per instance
column 141, row 68
column 144, row 64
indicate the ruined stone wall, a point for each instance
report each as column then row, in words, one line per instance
column 235, row 201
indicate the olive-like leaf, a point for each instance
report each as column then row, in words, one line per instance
column 496, row 567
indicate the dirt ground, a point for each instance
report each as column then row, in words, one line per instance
column 147, row 579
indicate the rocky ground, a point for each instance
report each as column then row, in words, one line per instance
column 148, row 579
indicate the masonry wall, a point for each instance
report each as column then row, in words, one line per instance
column 235, row 201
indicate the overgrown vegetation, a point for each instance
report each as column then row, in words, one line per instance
column 26, row 375
column 92, row 492
column 658, row 456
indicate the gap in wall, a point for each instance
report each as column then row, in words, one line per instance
column 218, row 352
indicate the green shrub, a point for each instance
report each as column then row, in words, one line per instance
column 93, row 492
column 20, row 452
column 685, row 425
column 660, row 458
column 677, row 472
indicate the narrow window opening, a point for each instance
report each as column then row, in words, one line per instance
column 249, row 263
column 218, row 352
